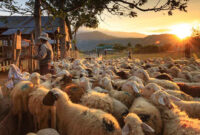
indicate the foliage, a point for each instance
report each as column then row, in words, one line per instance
column 151, row 48
column 195, row 39
column 129, row 45
column 119, row 47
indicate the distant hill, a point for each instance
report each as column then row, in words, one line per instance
column 95, row 35
column 123, row 34
column 89, row 40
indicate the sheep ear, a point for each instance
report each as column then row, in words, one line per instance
column 136, row 89
column 161, row 101
column 125, row 130
column 147, row 128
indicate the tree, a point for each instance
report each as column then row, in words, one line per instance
column 66, row 8
column 37, row 16
column 129, row 45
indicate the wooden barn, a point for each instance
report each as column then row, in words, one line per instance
column 13, row 28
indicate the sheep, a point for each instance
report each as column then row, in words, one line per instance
column 179, row 94
column 148, row 113
column 19, row 98
column 192, row 108
column 35, row 78
column 46, row 131
column 106, row 103
column 100, row 90
column 131, row 87
column 164, row 83
column 123, row 96
column 75, row 119
column 164, row 76
column 149, row 89
column 176, row 122
column 41, row 114
column 106, row 83
column 152, row 87
column 193, row 91
column 134, row 126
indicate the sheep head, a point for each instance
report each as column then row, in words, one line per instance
column 54, row 95
column 35, row 78
column 149, row 89
column 134, row 126
column 50, row 98
column 162, row 99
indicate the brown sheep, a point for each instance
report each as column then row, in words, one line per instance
column 193, row 91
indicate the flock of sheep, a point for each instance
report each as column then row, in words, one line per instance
column 159, row 96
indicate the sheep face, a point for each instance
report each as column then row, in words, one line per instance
column 162, row 99
column 50, row 98
column 150, row 89
column 35, row 78
column 134, row 126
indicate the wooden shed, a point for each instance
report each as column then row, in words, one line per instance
column 24, row 26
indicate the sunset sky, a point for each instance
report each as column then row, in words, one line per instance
column 155, row 23
column 151, row 22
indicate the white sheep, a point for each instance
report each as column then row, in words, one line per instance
column 176, row 122
column 164, row 83
column 152, row 87
column 19, row 98
column 192, row 108
column 75, row 119
column 134, row 126
column 41, row 114
column 148, row 113
column 46, row 131
column 106, row 103
column 123, row 96
column 35, row 78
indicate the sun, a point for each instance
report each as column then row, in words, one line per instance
column 181, row 30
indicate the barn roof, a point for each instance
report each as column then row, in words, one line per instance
column 26, row 24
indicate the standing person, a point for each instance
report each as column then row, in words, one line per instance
column 45, row 54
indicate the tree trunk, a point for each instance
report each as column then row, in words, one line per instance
column 63, row 31
column 37, row 17
column 63, row 47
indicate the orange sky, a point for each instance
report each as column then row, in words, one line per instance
column 151, row 22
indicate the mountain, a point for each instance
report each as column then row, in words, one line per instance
column 90, row 40
column 95, row 35
column 123, row 34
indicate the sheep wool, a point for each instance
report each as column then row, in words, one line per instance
column 19, row 98
column 41, row 114
column 192, row 108
column 106, row 103
column 123, row 96
column 134, row 126
column 75, row 119
column 75, row 92
column 148, row 113
column 176, row 122
column 180, row 94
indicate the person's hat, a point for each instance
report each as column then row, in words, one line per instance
column 44, row 36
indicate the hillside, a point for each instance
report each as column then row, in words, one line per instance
column 89, row 40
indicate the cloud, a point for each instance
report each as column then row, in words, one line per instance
column 160, row 30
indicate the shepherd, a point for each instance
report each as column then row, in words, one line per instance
column 45, row 54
